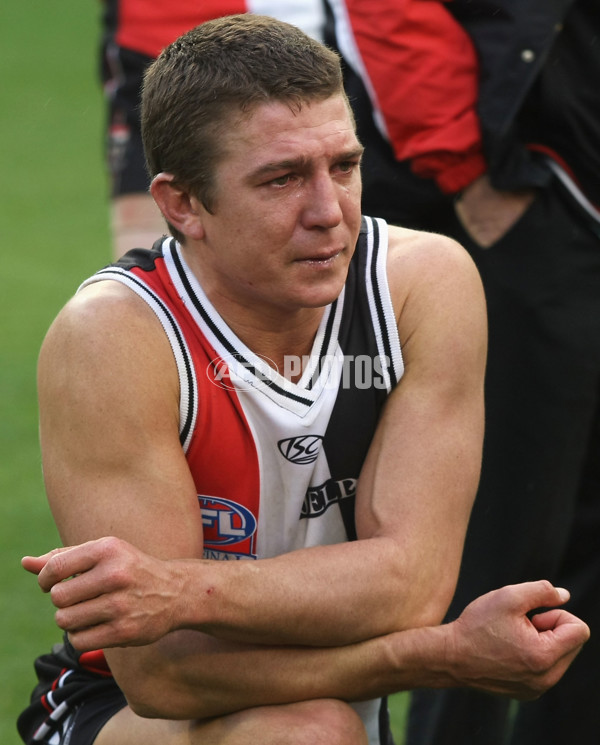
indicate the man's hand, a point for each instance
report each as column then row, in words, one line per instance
column 487, row 214
column 498, row 648
column 109, row 593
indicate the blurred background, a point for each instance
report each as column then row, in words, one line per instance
column 53, row 234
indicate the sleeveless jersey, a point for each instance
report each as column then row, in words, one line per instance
column 276, row 463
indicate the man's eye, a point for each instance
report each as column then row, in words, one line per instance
column 347, row 166
column 281, row 180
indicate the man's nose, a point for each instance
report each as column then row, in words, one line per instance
column 322, row 208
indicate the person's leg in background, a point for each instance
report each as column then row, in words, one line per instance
column 135, row 220
column 542, row 283
column 569, row 712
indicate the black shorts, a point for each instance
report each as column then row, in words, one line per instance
column 69, row 701
column 122, row 72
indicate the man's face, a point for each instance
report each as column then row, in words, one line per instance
column 287, row 210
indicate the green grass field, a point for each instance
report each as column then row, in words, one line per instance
column 53, row 234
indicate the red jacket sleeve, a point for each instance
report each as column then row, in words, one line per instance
column 422, row 72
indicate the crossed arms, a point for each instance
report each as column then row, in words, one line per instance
column 190, row 638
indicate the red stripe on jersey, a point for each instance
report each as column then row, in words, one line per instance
column 222, row 455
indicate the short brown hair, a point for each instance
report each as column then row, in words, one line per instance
column 230, row 64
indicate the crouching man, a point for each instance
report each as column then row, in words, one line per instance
column 261, row 438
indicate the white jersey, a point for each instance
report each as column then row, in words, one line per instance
column 276, row 463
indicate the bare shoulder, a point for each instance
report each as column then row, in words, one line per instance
column 104, row 334
column 101, row 315
column 432, row 267
column 436, row 290
column 97, row 306
column 109, row 394
column 418, row 258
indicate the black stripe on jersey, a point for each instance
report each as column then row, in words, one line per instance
column 324, row 350
column 357, row 408
column 142, row 258
column 224, row 341
column 385, row 337
column 189, row 416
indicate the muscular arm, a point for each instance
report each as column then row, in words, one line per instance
column 414, row 495
column 493, row 646
column 423, row 466
column 113, row 466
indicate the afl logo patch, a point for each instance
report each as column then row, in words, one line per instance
column 302, row 450
column 225, row 522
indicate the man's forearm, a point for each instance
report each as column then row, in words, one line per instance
column 352, row 592
column 280, row 601
column 493, row 646
column 190, row 676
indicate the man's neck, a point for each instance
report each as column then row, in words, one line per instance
column 283, row 342
column 282, row 336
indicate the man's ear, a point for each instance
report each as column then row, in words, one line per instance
column 179, row 208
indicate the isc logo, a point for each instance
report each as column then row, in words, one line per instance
column 225, row 522
column 303, row 449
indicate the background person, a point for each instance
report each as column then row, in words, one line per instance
column 133, row 34
column 481, row 120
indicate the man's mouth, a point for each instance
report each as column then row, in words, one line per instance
column 323, row 258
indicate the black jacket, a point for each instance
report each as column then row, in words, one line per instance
column 513, row 39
